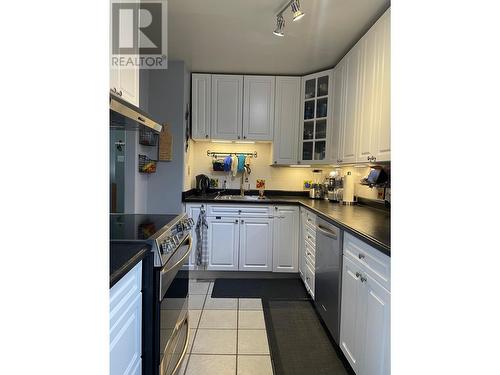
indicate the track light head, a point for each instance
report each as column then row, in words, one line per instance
column 280, row 26
column 297, row 13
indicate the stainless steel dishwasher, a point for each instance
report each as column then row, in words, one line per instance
column 328, row 275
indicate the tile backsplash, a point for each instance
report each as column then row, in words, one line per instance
column 276, row 178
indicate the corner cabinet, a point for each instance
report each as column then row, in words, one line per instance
column 258, row 107
column 286, row 239
column 125, row 324
column 316, row 117
column 227, row 106
column 201, row 87
column 286, row 120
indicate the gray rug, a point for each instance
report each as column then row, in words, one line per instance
column 298, row 342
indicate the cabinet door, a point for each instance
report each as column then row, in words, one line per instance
column 193, row 211
column 258, row 108
column 223, row 243
column 352, row 316
column 256, row 244
column 376, row 335
column 201, row 91
column 316, row 117
column 286, row 120
column 338, row 121
column 302, row 244
column 286, row 239
column 381, row 140
column 352, row 110
column 227, row 104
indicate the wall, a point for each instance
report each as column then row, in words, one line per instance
column 277, row 178
column 167, row 103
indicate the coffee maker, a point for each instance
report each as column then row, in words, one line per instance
column 202, row 184
column 334, row 186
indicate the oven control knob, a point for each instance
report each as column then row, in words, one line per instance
column 163, row 247
column 179, row 227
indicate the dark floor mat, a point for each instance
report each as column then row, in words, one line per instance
column 260, row 288
column 298, row 341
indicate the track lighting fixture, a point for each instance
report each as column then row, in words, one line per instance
column 280, row 26
column 280, row 21
column 297, row 13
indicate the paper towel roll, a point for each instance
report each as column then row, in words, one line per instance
column 348, row 188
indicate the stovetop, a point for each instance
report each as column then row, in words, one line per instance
column 134, row 227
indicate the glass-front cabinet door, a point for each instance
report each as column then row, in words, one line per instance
column 316, row 117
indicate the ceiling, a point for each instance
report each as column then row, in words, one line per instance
column 235, row 36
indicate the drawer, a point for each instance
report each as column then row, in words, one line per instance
column 310, row 254
column 377, row 264
column 310, row 235
column 124, row 292
column 238, row 210
column 310, row 218
column 309, row 279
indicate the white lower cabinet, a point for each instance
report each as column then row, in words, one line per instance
column 365, row 321
column 223, row 243
column 125, row 324
column 256, row 244
column 286, row 239
column 307, row 249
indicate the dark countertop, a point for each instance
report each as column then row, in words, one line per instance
column 123, row 257
column 371, row 225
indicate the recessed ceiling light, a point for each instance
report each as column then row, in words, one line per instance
column 297, row 13
column 280, row 26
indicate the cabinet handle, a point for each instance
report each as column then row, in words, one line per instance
column 244, row 137
column 239, row 137
column 236, row 221
column 374, row 158
column 358, row 274
column 369, row 158
column 206, row 136
column 275, row 162
column 361, row 256
column 363, row 279
column 242, row 221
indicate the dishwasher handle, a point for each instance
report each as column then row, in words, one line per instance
column 326, row 231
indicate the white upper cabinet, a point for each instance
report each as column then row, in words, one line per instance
column 286, row 239
column 338, row 121
column 258, row 107
column 286, row 120
column 201, row 92
column 352, row 110
column 316, row 117
column 227, row 105
column 374, row 128
column 256, row 244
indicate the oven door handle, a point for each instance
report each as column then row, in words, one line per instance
column 174, row 268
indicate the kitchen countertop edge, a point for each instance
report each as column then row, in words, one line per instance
column 143, row 250
column 294, row 200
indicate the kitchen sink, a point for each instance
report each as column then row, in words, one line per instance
column 239, row 198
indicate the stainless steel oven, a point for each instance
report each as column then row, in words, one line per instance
column 172, row 310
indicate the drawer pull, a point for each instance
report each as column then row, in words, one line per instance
column 361, row 256
column 363, row 279
column 358, row 274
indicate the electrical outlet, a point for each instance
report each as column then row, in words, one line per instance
column 380, row 193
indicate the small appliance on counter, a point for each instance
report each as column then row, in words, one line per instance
column 317, row 191
column 202, row 184
column 334, row 184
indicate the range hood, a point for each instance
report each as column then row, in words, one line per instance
column 121, row 112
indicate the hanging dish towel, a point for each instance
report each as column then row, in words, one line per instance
column 227, row 164
column 234, row 165
column 201, row 239
column 241, row 162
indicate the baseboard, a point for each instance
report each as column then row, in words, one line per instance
column 212, row 275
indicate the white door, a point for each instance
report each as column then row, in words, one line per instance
column 258, row 108
column 351, row 319
column 376, row 335
column 286, row 239
column 129, row 85
column 381, row 141
column 201, row 91
column 338, row 115
column 286, row 120
column 223, row 243
column 256, row 244
column 227, row 104
column 193, row 211
column 352, row 111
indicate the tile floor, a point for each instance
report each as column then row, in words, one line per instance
column 228, row 335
